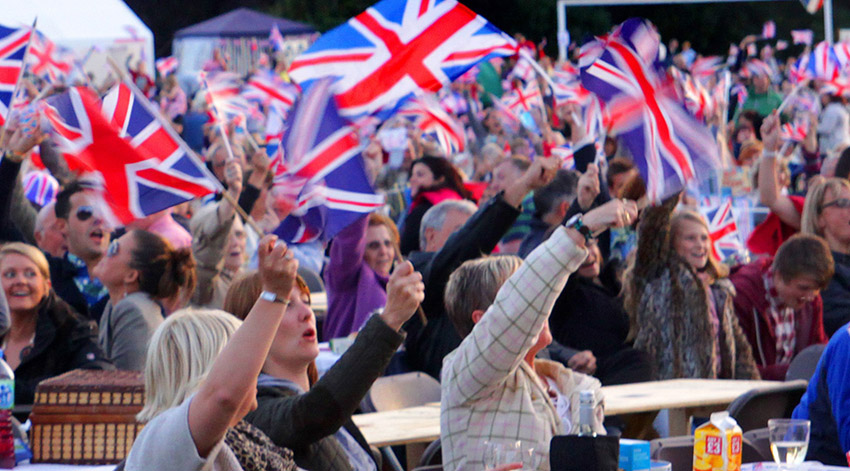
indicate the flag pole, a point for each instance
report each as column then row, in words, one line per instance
column 17, row 83
column 168, row 129
column 827, row 22
column 217, row 118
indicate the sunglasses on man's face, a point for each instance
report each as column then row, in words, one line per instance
column 842, row 203
column 84, row 213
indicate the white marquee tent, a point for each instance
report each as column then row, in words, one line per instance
column 109, row 26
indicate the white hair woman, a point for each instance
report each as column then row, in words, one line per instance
column 200, row 381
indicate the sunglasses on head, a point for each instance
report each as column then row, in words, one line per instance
column 840, row 203
column 113, row 248
column 85, row 212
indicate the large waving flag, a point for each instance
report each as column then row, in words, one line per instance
column 668, row 145
column 13, row 47
column 324, row 168
column 142, row 165
column 399, row 48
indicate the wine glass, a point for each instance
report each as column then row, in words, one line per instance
column 789, row 440
column 499, row 453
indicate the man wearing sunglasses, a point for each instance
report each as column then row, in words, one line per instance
column 78, row 217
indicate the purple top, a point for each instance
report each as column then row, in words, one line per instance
column 354, row 289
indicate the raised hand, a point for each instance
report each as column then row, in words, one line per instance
column 278, row 267
column 770, row 129
column 588, row 187
column 615, row 213
column 405, row 291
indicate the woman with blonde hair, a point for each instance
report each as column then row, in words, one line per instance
column 681, row 302
column 46, row 336
column 312, row 416
column 827, row 214
column 200, row 381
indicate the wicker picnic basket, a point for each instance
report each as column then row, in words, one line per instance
column 86, row 417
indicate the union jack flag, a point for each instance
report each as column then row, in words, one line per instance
column 668, row 145
column 270, row 90
column 399, row 48
column 838, row 87
column 768, row 30
column 436, row 123
column 723, row 230
column 522, row 99
column 802, row 36
column 523, row 69
column 794, row 132
column 276, row 38
column 704, row 68
column 842, row 53
column 508, row 118
column 13, row 47
column 166, row 65
column 323, row 158
column 812, row 6
column 143, row 166
column 453, row 102
column 566, row 154
column 48, row 60
column 823, row 62
column 222, row 93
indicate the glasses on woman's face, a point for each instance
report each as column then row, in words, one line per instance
column 85, row 212
column 113, row 248
column 842, row 203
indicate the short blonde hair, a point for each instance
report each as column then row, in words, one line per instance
column 33, row 253
column 814, row 203
column 474, row 286
column 180, row 354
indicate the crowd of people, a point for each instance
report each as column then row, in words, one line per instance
column 512, row 278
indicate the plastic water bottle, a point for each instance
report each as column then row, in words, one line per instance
column 7, row 401
column 585, row 417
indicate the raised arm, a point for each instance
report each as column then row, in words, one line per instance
column 769, row 191
column 297, row 421
column 505, row 333
column 346, row 255
column 231, row 382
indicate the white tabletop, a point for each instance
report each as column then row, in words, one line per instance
column 63, row 467
column 809, row 466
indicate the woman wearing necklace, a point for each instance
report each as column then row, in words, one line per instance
column 140, row 270
column 46, row 336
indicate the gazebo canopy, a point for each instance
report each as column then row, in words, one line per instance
column 243, row 22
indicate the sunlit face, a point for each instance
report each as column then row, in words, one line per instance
column 23, row 284
column 88, row 235
column 797, row 292
column 114, row 268
column 380, row 252
column 436, row 239
column 234, row 251
column 296, row 342
column 692, row 242
column 834, row 221
column 50, row 238
column 503, row 175
column 421, row 177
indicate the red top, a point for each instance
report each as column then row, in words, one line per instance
column 772, row 232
